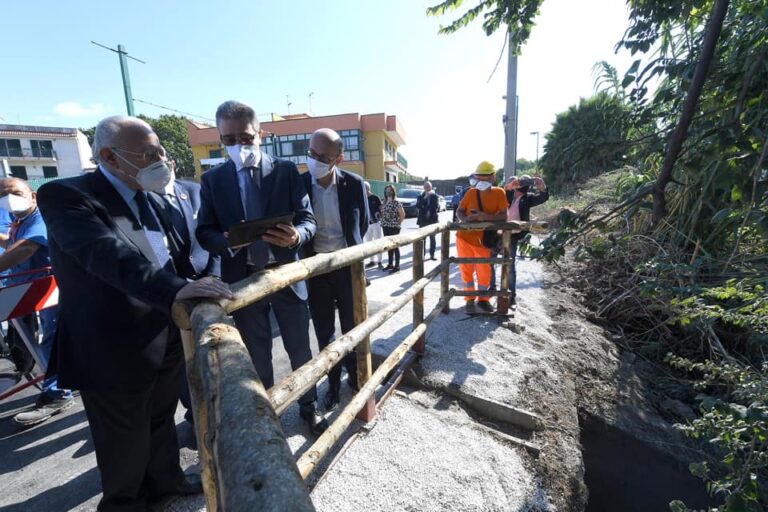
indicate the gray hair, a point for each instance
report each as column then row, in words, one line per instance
column 107, row 133
column 232, row 109
column 367, row 186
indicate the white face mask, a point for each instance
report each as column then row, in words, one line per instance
column 15, row 204
column 155, row 176
column 483, row 185
column 317, row 168
column 244, row 155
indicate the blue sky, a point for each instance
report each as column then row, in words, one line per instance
column 355, row 56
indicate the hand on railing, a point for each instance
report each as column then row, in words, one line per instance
column 208, row 288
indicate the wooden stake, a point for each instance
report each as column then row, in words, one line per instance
column 364, row 368
column 502, row 303
column 445, row 274
column 418, row 299
column 245, row 460
column 312, row 457
column 288, row 390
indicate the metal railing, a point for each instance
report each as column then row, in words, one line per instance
column 40, row 154
column 245, row 460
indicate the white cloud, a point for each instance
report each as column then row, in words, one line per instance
column 75, row 109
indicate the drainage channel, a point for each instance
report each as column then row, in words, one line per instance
column 623, row 473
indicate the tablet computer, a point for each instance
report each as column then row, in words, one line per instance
column 248, row 231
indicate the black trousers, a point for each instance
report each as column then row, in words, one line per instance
column 134, row 435
column 256, row 329
column 394, row 253
column 328, row 293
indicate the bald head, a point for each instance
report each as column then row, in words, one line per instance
column 327, row 142
column 123, row 145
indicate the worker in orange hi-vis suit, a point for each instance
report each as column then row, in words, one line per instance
column 482, row 203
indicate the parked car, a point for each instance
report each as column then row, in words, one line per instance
column 440, row 203
column 407, row 198
column 449, row 202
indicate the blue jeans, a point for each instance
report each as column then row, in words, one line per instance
column 48, row 327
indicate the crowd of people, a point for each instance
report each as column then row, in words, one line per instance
column 128, row 240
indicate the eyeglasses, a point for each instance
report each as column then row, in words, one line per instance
column 242, row 138
column 321, row 158
column 146, row 156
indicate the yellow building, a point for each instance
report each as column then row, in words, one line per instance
column 371, row 142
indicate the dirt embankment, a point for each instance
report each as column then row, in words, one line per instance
column 600, row 384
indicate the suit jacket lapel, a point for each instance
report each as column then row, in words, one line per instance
column 182, row 198
column 341, row 190
column 268, row 174
column 122, row 216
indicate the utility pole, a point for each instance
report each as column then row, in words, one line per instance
column 510, row 119
column 310, row 103
column 537, row 148
column 288, row 101
column 123, row 55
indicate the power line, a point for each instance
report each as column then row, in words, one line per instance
column 174, row 110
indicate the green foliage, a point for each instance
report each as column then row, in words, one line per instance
column 88, row 132
column 586, row 140
column 516, row 16
column 172, row 131
column 734, row 417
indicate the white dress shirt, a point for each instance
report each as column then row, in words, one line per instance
column 325, row 203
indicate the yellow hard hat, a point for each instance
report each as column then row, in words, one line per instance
column 485, row 168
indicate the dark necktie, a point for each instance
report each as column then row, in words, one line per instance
column 258, row 250
column 153, row 231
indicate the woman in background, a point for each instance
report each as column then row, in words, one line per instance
column 392, row 215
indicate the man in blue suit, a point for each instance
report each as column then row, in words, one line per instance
column 340, row 202
column 252, row 185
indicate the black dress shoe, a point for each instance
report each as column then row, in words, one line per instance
column 315, row 421
column 394, row 269
column 370, row 265
column 192, row 484
column 331, row 400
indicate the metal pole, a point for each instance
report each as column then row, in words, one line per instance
column 510, row 149
column 537, row 147
column 126, row 79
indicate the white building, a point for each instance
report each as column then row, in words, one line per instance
column 30, row 152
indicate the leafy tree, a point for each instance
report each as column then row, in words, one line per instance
column 586, row 140
column 172, row 131
column 88, row 132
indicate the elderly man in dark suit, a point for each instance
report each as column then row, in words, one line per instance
column 340, row 202
column 117, row 282
column 253, row 185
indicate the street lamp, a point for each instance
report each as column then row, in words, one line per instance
column 537, row 147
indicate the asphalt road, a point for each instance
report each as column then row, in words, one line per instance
column 52, row 466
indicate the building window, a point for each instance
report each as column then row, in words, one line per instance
column 42, row 148
column 19, row 171
column 268, row 145
column 50, row 171
column 389, row 151
column 295, row 146
column 351, row 155
column 214, row 153
column 10, row 147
